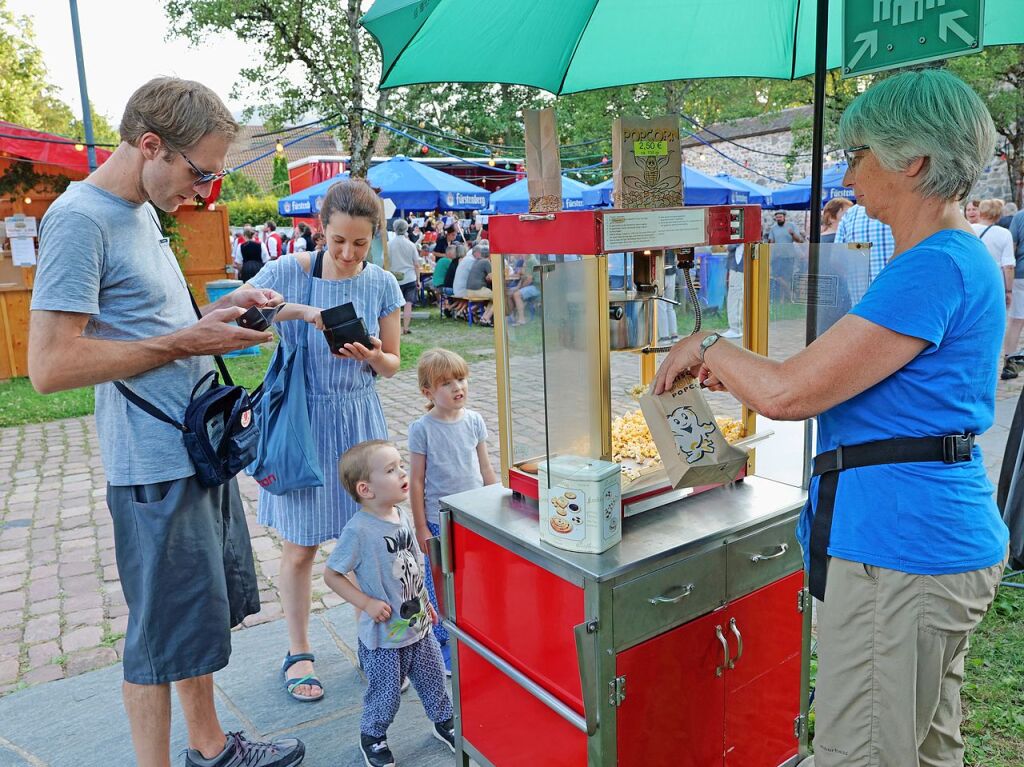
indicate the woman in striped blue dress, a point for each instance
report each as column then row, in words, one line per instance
column 344, row 409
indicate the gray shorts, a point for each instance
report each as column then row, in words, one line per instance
column 186, row 567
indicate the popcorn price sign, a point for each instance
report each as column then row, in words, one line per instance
column 650, row 148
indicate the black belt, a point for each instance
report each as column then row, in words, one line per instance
column 953, row 448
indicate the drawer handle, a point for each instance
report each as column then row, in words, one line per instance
column 666, row 600
column 782, row 548
column 725, row 648
column 739, row 642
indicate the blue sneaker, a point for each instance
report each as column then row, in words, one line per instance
column 446, row 656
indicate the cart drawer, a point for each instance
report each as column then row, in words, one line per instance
column 668, row 597
column 762, row 558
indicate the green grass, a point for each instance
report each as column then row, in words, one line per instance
column 993, row 693
column 21, row 404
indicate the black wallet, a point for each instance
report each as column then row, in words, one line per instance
column 342, row 326
column 258, row 318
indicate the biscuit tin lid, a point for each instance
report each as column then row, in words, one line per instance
column 579, row 468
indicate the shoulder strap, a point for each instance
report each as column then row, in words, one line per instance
column 985, row 231
column 225, row 375
column 152, row 410
column 317, row 267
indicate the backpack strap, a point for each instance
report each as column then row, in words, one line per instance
column 985, row 231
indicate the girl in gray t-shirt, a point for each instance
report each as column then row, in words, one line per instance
column 447, row 450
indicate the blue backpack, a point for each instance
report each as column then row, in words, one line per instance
column 286, row 457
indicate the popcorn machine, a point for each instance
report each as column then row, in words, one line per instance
column 592, row 321
column 683, row 644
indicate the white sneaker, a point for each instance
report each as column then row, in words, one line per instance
column 730, row 333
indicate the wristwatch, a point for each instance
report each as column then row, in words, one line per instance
column 706, row 344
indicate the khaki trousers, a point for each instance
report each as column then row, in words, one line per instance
column 891, row 650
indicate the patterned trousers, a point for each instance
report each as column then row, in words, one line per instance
column 385, row 668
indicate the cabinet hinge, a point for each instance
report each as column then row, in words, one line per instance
column 799, row 725
column 803, row 599
column 617, row 691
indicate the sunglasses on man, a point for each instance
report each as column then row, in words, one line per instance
column 202, row 176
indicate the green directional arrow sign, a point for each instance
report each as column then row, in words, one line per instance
column 885, row 34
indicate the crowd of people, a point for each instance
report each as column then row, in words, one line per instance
column 898, row 594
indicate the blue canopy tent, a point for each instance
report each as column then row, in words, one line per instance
column 299, row 203
column 408, row 184
column 757, row 194
column 797, row 195
column 701, row 189
column 515, row 198
column 414, row 185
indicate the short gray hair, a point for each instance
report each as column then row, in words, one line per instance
column 924, row 113
column 1009, row 208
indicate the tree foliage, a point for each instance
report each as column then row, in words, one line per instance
column 256, row 211
column 237, row 185
column 279, row 185
column 27, row 97
column 997, row 74
column 309, row 57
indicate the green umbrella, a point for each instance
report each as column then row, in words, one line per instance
column 566, row 46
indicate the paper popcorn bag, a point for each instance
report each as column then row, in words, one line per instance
column 693, row 449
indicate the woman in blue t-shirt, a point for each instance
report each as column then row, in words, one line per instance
column 901, row 537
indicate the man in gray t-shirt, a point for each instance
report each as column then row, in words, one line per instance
column 110, row 303
column 478, row 282
column 782, row 235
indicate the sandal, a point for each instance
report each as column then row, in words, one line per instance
column 294, row 682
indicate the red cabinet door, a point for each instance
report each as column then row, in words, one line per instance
column 763, row 688
column 672, row 712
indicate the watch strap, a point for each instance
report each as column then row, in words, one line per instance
column 707, row 343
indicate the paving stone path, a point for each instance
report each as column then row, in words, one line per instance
column 62, row 611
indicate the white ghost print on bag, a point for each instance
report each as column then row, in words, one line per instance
column 692, row 437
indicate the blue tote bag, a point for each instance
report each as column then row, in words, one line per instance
column 286, row 459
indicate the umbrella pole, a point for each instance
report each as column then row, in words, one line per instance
column 817, row 166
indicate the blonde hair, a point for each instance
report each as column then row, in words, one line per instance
column 437, row 366
column 180, row 112
column 990, row 210
column 835, row 208
column 354, row 466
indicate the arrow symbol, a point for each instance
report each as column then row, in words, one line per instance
column 868, row 40
column 947, row 23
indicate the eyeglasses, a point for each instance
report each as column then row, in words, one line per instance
column 851, row 158
column 202, row 177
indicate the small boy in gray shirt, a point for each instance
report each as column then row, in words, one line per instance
column 378, row 544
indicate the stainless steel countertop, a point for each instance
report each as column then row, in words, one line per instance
column 691, row 524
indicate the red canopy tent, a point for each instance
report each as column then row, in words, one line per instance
column 46, row 149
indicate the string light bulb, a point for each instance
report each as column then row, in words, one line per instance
column 28, row 200
column 491, row 162
column 79, row 147
column 279, row 147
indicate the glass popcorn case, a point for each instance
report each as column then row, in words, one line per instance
column 613, row 290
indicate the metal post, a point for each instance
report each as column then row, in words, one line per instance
column 817, row 166
column 814, row 235
column 86, row 109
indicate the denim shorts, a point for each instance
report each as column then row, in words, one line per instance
column 186, row 568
